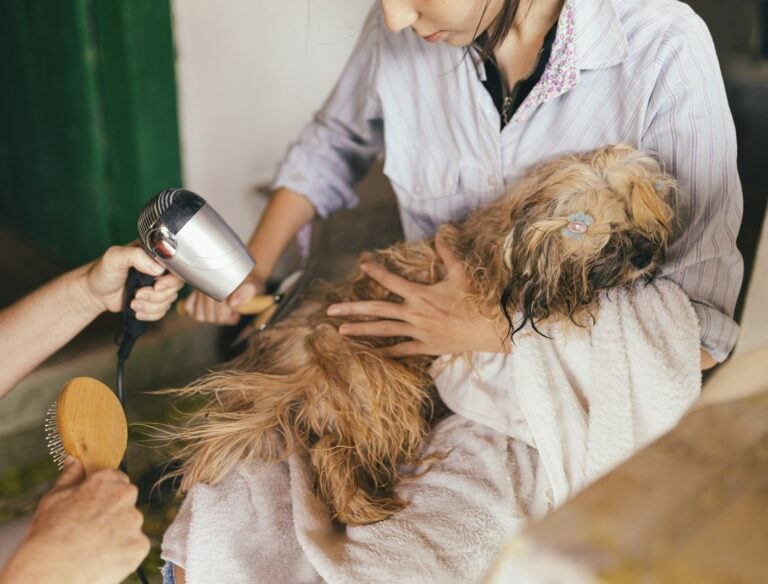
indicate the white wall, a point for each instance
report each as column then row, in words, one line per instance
column 250, row 74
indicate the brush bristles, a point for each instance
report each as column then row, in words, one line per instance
column 53, row 438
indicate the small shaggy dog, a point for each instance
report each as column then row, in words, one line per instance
column 569, row 230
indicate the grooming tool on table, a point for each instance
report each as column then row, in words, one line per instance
column 287, row 295
column 87, row 422
column 187, row 236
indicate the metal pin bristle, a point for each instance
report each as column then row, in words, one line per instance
column 52, row 437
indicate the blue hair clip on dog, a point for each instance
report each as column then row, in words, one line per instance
column 578, row 224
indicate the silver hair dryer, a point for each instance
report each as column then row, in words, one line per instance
column 187, row 236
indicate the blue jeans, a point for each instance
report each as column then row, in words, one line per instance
column 168, row 574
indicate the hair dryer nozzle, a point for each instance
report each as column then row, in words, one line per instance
column 187, row 236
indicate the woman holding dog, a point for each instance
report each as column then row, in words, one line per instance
column 462, row 96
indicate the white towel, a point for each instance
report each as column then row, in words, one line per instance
column 536, row 426
column 587, row 398
column 264, row 524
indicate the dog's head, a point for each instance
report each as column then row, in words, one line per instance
column 581, row 225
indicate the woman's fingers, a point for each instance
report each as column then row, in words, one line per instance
column 155, row 296
column 147, row 310
column 405, row 349
column 454, row 265
column 151, row 303
column 168, row 281
column 204, row 309
column 429, row 314
column 378, row 328
column 390, row 281
column 378, row 308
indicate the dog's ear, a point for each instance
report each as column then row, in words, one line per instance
column 650, row 210
column 652, row 221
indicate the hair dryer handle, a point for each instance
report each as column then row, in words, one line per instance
column 132, row 327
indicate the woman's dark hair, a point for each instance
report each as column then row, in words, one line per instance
column 497, row 31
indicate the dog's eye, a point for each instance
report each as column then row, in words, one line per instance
column 642, row 259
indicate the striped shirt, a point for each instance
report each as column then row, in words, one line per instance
column 642, row 72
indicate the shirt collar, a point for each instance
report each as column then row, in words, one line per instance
column 599, row 39
column 590, row 29
column 562, row 71
column 589, row 36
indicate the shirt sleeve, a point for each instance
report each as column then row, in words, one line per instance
column 335, row 150
column 689, row 124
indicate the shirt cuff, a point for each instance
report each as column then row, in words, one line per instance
column 316, row 180
column 719, row 332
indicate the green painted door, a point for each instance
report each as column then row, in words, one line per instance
column 89, row 123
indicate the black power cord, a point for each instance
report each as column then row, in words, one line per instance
column 132, row 330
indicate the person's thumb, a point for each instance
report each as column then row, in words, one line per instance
column 243, row 294
column 72, row 474
column 118, row 258
column 138, row 258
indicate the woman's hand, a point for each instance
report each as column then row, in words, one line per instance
column 436, row 316
column 84, row 530
column 205, row 309
column 104, row 280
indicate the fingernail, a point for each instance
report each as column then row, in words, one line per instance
column 333, row 311
column 68, row 461
column 141, row 295
column 364, row 267
column 343, row 329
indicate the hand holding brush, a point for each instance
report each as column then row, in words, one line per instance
column 85, row 529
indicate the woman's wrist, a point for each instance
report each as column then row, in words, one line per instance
column 33, row 562
column 285, row 215
column 82, row 297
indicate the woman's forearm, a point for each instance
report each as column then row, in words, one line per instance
column 285, row 215
column 38, row 325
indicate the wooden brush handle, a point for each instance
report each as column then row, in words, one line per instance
column 255, row 305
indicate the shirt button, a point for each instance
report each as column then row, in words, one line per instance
column 492, row 180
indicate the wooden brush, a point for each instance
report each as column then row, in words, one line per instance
column 266, row 305
column 256, row 305
column 87, row 422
